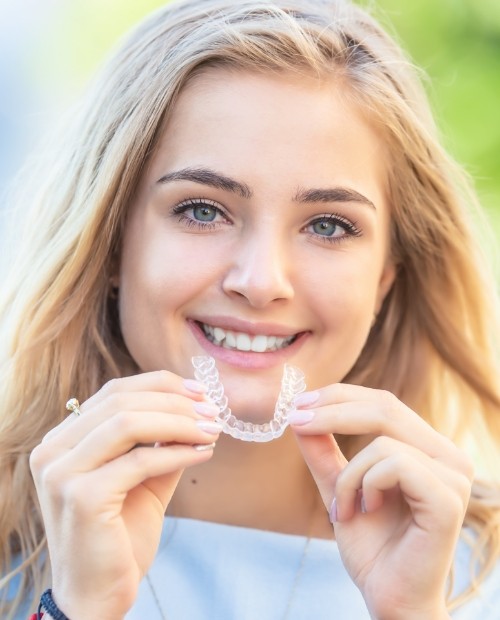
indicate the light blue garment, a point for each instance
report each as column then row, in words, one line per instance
column 206, row 571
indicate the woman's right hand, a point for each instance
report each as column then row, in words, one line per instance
column 104, row 480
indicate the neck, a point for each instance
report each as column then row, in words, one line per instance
column 257, row 485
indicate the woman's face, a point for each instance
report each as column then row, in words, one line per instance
column 258, row 235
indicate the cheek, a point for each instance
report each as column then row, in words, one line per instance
column 160, row 272
column 344, row 287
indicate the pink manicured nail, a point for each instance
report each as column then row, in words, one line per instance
column 300, row 417
column 363, row 506
column 203, row 447
column 306, row 398
column 332, row 513
column 214, row 428
column 207, row 409
column 195, row 386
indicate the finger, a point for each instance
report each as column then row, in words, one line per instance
column 359, row 473
column 72, row 431
column 125, row 431
column 88, row 493
column 325, row 461
column 434, row 505
column 355, row 410
column 156, row 381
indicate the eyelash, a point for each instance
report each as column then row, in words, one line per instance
column 181, row 209
column 351, row 229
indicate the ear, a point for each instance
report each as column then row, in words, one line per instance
column 385, row 283
column 114, row 278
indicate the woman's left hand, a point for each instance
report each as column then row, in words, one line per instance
column 399, row 502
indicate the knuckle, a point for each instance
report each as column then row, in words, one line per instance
column 51, row 479
column 382, row 445
column 37, row 458
column 111, row 386
column 390, row 404
column 165, row 377
column 124, row 424
column 453, row 508
column 464, row 487
column 467, row 467
column 115, row 400
column 341, row 482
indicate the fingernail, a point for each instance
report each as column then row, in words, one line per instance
column 214, row 428
column 197, row 387
column 306, row 398
column 201, row 447
column 300, row 417
column 207, row 409
column 363, row 506
column 332, row 513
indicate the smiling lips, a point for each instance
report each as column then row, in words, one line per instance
column 240, row 341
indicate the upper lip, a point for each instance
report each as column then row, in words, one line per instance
column 253, row 329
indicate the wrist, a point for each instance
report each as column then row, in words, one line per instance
column 53, row 608
column 423, row 614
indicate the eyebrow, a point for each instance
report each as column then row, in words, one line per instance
column 333, row 194
column 209, row 177
column 206, row 176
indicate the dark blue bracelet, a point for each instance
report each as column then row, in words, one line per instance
column 48, row 603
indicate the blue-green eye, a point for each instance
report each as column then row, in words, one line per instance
column 331, row 227
column 326, row 228
column 200, row 213
column 204, row 213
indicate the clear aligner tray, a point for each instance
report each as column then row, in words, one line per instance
column 292, row 383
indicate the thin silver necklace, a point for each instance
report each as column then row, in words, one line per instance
column 296, row 582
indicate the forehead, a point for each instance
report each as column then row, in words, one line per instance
column 253, row 124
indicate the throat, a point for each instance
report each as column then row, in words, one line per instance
column 258, row 486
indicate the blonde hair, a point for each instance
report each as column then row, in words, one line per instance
column 433, row 341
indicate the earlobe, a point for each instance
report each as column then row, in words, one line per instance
column 114, row 286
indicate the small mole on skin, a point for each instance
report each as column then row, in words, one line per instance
column 194, row 481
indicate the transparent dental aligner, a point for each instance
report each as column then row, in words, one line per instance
column 292, row 383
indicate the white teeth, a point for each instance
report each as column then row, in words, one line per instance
column 260, row 343
column 244, row 342
column 230, row 340
column 219, row 334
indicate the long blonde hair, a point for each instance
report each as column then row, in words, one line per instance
column 433, row 341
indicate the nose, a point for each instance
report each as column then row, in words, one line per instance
column 260, row 270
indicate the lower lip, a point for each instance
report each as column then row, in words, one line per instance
column 247, row 359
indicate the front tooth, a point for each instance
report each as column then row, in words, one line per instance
column 243, row 342
column 230, row 339
column 219, row 334
column 259, row 344
column 271, row 341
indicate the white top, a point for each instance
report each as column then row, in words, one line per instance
column 206, row 571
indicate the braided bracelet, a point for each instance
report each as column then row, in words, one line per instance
column 48, row 603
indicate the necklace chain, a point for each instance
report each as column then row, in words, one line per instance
column 291, row 596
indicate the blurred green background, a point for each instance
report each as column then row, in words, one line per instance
column 456, row 42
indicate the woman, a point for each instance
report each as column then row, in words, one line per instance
column 262, row 184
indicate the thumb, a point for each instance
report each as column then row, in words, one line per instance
column 325, row 461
